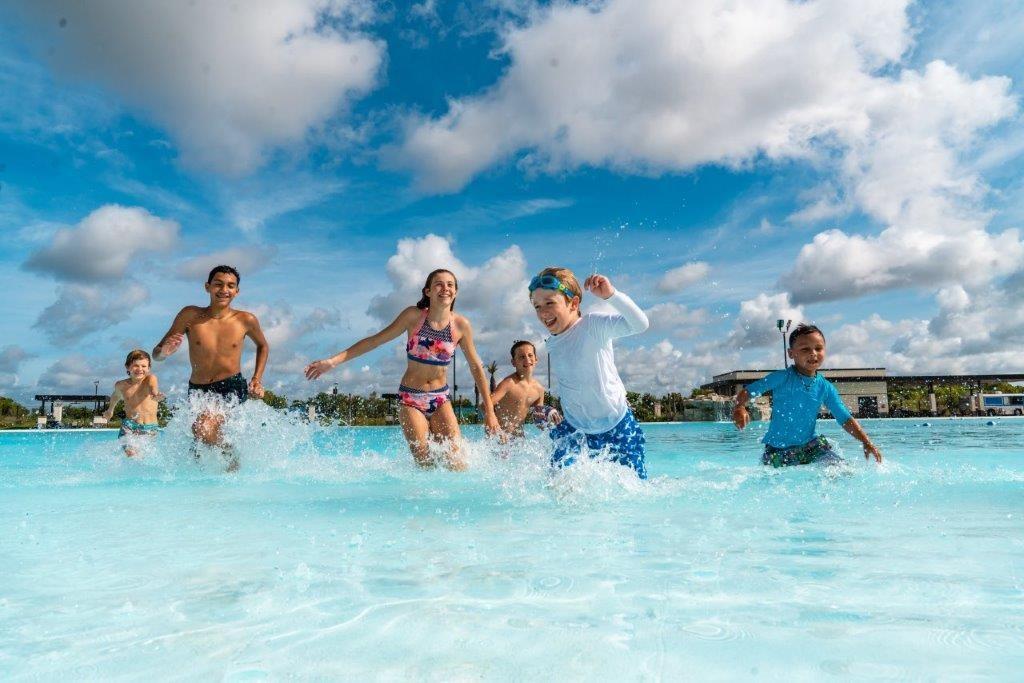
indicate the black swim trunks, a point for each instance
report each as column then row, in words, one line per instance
column 232, row 386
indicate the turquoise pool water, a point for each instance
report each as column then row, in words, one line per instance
column 330, row 556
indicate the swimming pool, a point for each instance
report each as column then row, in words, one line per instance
column 329, row 555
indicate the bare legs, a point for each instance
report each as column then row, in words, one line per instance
column 207, row 428
column 442, row 428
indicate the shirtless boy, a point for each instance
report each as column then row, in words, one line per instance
column 216, row 333
column 519, row 395
column 141, row 395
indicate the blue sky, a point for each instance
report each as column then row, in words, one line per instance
column 855, row 167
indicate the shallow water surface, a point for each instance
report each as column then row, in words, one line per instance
column 329, row 555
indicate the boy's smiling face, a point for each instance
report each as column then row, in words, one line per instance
column 524, row 360
column 223, row 289
column 554, row 311
column 808, row 353
column 138, row 369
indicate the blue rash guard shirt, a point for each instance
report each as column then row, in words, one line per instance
column 795, row 402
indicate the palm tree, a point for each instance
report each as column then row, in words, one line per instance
column 492, row 368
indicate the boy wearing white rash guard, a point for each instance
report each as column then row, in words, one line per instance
column 593, row 398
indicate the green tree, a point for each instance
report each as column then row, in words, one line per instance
column 11, row 408
column 274, row 400
column 491, row 369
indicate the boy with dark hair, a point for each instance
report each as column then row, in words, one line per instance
column 519, row 395
column 216, row 334
column 141, row 394
column 797, row 393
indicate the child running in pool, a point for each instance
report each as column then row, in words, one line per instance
column 797, row 393
column 434, row 331
column 519, row 396
column 141, row 394
column 594, row 407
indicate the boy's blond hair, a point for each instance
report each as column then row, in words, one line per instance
column 137, row 354
column 567, row 278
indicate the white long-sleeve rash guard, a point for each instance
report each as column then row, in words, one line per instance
column 592, row 394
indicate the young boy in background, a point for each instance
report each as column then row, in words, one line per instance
column 797, row 394
column 141, row 395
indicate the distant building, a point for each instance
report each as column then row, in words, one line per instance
column 864, row 391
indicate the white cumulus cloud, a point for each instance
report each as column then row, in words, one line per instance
column 756, row 324
column 83, row 309
column 104, row 245
column 228, row 80
column 678, row 279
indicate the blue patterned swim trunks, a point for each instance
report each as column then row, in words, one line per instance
column 625, row 443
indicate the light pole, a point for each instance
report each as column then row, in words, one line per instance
column 783, row 326
column 455, row 384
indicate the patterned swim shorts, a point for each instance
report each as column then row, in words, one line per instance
column 625, row 443
column 817, row 449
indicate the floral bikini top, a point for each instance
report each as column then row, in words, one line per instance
column 429, row 346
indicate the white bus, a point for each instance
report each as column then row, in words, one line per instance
column 1002, row 404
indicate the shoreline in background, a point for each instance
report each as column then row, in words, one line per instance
column 21, row 430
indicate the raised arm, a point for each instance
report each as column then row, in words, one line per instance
column 476, row 368
column 255, row 332
column 632, row 321
column 404, row 320
column 170, row 342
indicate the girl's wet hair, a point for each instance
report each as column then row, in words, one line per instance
column 803, row 330
column 137, row 354
column 424, row 301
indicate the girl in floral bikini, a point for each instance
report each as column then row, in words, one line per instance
column 434, row 330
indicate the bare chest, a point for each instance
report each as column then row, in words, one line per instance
column 216, row 336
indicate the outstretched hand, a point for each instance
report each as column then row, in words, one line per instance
column 319, row 367
column 599, row 285
column 171, row 344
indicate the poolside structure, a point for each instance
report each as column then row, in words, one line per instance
column 55, row 415
column 865, row 391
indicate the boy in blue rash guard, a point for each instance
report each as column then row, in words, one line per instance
column 594, row 407
column 797, row 393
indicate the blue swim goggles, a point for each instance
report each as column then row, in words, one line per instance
column 551, row 282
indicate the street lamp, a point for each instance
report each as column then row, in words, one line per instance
column 783, row 326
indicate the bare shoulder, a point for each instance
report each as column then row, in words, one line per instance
column 462, row 323
column 120, row 384
column 247, row 318
column 410, row 313
column 151, row 380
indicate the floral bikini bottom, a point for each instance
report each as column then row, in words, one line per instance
column 426, row 401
